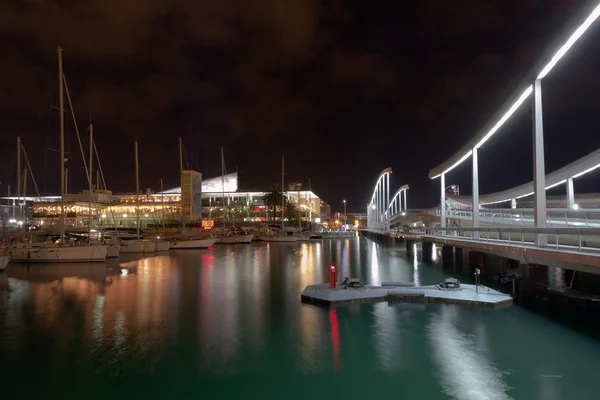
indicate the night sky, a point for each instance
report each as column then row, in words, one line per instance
column 343, row 88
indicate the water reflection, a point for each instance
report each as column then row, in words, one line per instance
column 465, row 371
column 335, row 339
column 374, row 265
column 416, row 277
column 195, row 319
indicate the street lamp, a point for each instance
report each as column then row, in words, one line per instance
column 345, row 216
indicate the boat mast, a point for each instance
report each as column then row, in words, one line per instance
column 162, row 204
column 310, row 206
column 62, row 143
column 282, row 192
column 90, row 182
column 223, row 183
column 137, row 192
column 180, row 181
column 19, row 176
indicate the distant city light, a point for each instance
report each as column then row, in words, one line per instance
column 124, row 215
column 317, row 220
column 575, row 206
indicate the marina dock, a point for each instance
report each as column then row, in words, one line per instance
column 401, row 291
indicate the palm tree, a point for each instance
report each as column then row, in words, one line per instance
column 291, row 213
column 272, row 199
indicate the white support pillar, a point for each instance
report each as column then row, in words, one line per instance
column 405, row 206
column 387, row 191
column 475, row 202
column 570, row 194
column 539, row 170
column 443, row 200
column 377, row 202
column 387, row 201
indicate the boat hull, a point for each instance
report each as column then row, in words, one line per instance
column 244, row 239
column 286, row 238
column 227, row 240
column 137, row 246
column 48, row 254
column 161, row 245
column 191, row 244
column 112, row 250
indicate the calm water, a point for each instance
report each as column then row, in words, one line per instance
column 228, row 323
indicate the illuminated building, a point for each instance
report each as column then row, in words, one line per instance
column 156, row 208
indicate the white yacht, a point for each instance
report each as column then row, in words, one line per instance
column 61, row 252
column 51, row 252
column 161, row 245
column 244, row 238
column 136, row 245
column 279, row 238
column 191, row 243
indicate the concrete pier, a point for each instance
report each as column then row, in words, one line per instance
column 394, row 291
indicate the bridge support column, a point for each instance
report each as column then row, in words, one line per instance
column 459, row 256
column 405, row 207
column 443, row 201
column 475, row 208
column 570, row 194
column 447, row 256
column 476, row 259
column 539, row 170
column 426, row 251
column 410, row 247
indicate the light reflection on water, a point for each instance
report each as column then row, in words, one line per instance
column 465, row 371
column 234, row 314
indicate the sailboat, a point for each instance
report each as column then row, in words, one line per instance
column 235, row 235
column 59, row 252
column 137, row 244
column 161, row 244
column 281, row 237
column 185, row 241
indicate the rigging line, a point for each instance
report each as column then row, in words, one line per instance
column 76, row 129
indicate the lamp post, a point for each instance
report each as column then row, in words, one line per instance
column 345, row 216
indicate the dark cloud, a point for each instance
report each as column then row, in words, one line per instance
column 318, row 79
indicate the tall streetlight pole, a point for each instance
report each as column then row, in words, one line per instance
column 345, row 216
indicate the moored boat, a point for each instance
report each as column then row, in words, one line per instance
column 279, row 238
column 46, row 252
column 191, row 243
column 161, row 245
column 244, row 239
column 137, row 246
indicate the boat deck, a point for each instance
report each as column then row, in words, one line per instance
column 467, row 294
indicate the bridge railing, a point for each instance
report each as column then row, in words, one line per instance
column 573, row 239
column 524, row 216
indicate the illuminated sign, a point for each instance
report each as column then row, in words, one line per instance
column 208, row 224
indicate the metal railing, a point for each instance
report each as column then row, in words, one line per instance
column 557, row 217
column 572, row 239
